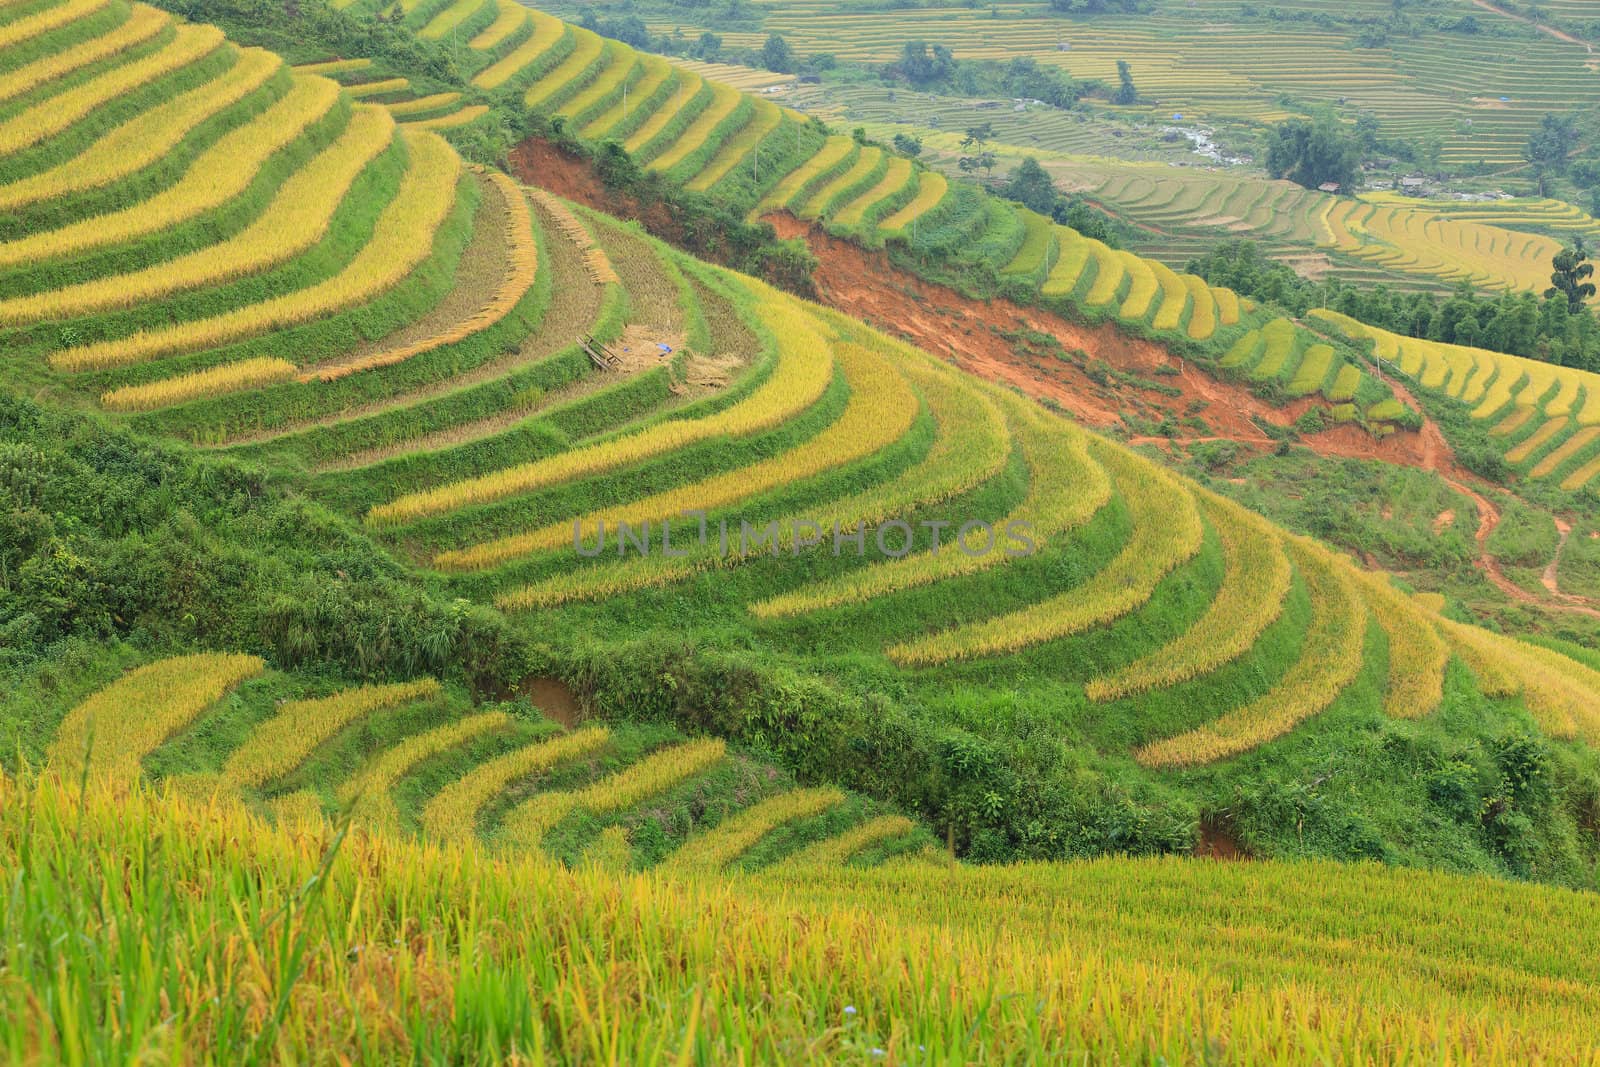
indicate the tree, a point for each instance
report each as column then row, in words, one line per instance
column 1126, row 93
column 907, row 145
column 976, row 144
column 1552, row 142
column 777, row 56
column 1315, row 152
column 978, row 137
column 1031, row 187
column 708, row 47
column 1571, row 277
column 922, row 65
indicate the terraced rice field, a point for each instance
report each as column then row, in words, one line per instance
column 1548, row 416
column 394, row 331
column 1417, row 243
column 1128, row 972
column 1481, row 94
column 763, row 158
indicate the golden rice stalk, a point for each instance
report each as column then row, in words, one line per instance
column 213, row 381
column 57, row 113
column 452, row 815
column 881, row 409
column 1256, row 578
column 420, row 104
column 41, row 22
column 282, row 743
column 1417, row 654
column 658, row 772
column 126, row 721
column 972, row 446
column 469, row 114
column 931, row 188
column 838, row 850
column 1330, row 658
column 732, row 838
column 297, row 218
column 1166, row 533
column 218, row 175
column 377, row 88
column 142, row 23
column 367, row 794
column 147, row 138
column 546, row 32
column 523, row 259
column 804, row 368
column 1066, row 486
column 335, row 66
column 402, row 239
column 510, row 17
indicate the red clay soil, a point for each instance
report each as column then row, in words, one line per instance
column 1218, row 843
column 865, row 285
column 969, row 332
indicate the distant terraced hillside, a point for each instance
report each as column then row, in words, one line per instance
column 1219, row 61
column 297, row 281
column 1378, row 238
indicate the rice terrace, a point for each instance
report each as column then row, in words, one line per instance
column 799, row 531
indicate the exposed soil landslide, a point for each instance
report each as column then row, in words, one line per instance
column 970, row 332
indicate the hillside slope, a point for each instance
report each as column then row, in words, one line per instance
column 883, row 574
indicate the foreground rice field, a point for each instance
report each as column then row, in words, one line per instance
column 359, row 946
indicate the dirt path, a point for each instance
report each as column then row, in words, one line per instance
column 1541, row 27
column 1440, row 458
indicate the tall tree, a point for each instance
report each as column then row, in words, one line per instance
column 1571, row 278
column 1031, row 187
column 1552, row 141
column 1311, row 153
column 1126, row 93
column 777, row 56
